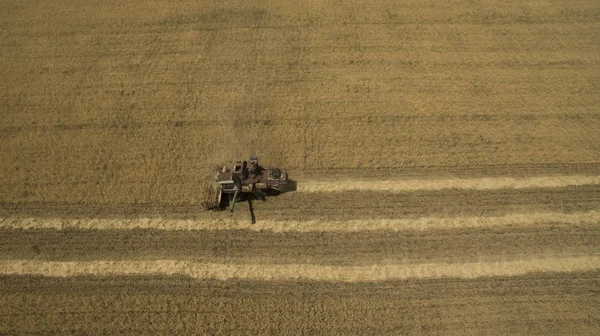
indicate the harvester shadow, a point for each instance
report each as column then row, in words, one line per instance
column 290, row 186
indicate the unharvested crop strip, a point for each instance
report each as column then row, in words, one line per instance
column 438, row 184
column 425, row 223
column 296, row 271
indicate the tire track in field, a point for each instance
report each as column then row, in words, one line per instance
column 339, row 206
column 369, row 205
column 363, row 248
column 201, row 270
column 486, row 183
column 541, row 219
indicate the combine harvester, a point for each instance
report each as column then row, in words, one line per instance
column 247, row 181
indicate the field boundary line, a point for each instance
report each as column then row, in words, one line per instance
column 545, row 219
column 201, row 270
column 487, row 183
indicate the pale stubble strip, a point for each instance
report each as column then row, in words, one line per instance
column 201, row 270
column 439, row 184
column 545, row 219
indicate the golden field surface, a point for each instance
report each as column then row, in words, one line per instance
column 447, row 156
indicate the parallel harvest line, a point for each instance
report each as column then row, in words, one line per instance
column 438, row 184
column 297, row 271
column 425, row 223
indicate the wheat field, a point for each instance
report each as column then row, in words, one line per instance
column 447, row 157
